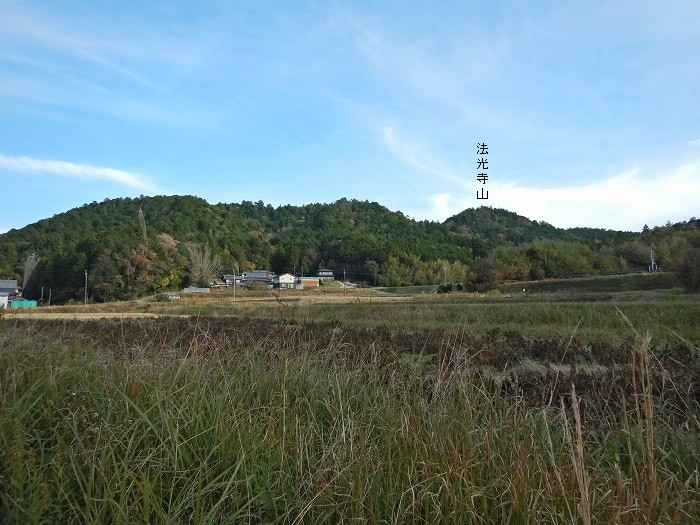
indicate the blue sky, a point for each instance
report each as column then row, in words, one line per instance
column 590, row 109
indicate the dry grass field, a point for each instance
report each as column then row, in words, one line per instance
column 425, row 409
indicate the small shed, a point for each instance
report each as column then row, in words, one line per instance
column 21, row 303
column 306, row 282
column 218, row 283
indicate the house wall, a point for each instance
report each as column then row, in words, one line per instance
column 286, row 280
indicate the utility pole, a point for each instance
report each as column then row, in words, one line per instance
column 49, row 296
column 234, row 282
column 86, row 293
column 345, row 284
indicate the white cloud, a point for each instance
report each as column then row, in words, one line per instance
column 443, row 204
column 625, row 201
column 77, row 171
column 694, row 142
column 622, row 201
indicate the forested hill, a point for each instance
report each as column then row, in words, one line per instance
column 502, row 225
column 368, row 241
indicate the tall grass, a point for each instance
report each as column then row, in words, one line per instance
column 536, row 318
column 261, row 436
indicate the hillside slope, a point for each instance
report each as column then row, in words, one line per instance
column 365, row 239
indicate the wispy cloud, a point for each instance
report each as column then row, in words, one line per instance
column 694, row 142
column 120, row 67
column 413, row 152
column 90, row 39
column 71, row 170
column 436, row 70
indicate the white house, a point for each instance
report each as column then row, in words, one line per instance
column 284, row 281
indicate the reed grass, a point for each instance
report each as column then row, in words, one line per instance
column 531, row 317
column 279, row 436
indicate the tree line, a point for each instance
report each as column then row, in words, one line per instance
column 133, row 247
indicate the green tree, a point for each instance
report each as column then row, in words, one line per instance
column 484, row 278
column 689, row 270
column 372, row 269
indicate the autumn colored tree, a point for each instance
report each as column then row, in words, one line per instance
column 202, row 266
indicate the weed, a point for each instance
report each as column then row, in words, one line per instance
column 221, row 420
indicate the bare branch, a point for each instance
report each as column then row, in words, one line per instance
column 203, row 266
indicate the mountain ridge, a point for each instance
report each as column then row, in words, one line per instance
column 363, row 238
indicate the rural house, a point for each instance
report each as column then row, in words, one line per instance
column 324, row 274
column 258, row 277
column 230, row 279
column 10, row 287
column 284, row 281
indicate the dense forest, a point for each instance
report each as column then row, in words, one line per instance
column 138, row 246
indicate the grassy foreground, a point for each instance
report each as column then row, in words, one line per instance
column 189, row 423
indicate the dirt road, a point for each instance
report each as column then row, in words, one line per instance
column 83, row 315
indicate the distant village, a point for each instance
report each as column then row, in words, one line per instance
column 11, row 292
column 269, row 279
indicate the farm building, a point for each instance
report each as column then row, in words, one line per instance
column 306, row 282
column 4, row 300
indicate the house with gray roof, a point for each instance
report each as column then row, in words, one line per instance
column 9, row 286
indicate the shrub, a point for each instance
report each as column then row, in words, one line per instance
column 444, row 288
column 689, row 270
